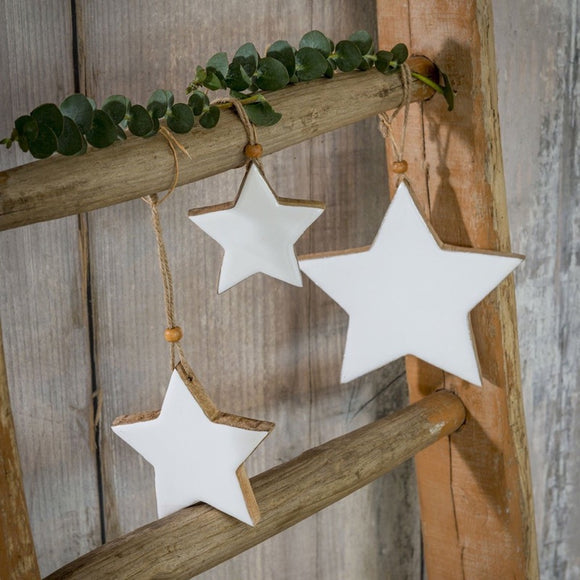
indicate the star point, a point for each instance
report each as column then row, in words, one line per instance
column 408, row 293
column 257, row 231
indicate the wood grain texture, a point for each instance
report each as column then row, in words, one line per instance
column 43, row 308
column 17, row 555
column 539, row 110
column 196, row 539
column 283, row 344
column 63, row 186
column 475, row 492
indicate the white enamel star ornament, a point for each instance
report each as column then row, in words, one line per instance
column 197, row 451
column 408, row 293
column 257, row 231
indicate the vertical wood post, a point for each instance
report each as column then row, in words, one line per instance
column 475, row 488
column 17, row 555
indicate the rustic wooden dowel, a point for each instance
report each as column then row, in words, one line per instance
column 62, row 186
column 17, row 555
column 196, row 539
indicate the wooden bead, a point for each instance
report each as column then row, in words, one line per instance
column 174, row 334
column 253, row 151
column 400, row 166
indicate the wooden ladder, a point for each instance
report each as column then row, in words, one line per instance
column 469, row 444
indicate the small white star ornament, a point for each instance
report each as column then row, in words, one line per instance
column 197, row 451
column 257, row 231
column 409, row 293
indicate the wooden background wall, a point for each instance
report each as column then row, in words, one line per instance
column 81, row 305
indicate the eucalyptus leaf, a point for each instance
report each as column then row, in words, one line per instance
column 200, row 76
column 159, row 101
column 317, row 40
column 310, row 64
column 103, row 132
column 210, row 118
column 45, row 143
column 237, row 95
column 49, row 114
column 448, row 92
column 248, row 56
column 80, row 109
column 366, row 63
column 284, row 53
column 155, row 128
column 237, row 77
column 400, row 53
column 219, row 62
column 23, row 144
column 363, row 41
column 70, row 141
column 347, row 55
column 197, row 102
column 262, row 114
column 180, row 118
column 140, row 121
column 213, row 81
column 27, row 127
column 329, row 72
column 385, row 62
column 116, row 106
column 272, row 75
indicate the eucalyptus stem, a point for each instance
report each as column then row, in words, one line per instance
column 77, row 122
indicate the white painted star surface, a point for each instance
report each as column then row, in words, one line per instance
column 194, row 458
column 257, row 231
column 409, row 294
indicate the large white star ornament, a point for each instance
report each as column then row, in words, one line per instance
column 257, row 231
column 408, row 293
column 197, row 451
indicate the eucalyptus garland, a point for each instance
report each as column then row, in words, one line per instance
column 69, row 128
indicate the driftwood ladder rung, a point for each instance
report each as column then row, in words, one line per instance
column 469, row 443
column 198, row 538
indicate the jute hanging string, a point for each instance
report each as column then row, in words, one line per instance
column 253, row 150
column 400, row 166
column 173, row 333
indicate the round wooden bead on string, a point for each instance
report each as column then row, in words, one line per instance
column 400, row 167
column 174, row 334
column 253, row 151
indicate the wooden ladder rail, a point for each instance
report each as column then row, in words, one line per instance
column 475, row 491
column 61, row 186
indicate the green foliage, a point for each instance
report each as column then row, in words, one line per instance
column 68, row 128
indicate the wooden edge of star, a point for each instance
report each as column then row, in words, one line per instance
column 281, row 200
column 442, row 245
column 215, row 416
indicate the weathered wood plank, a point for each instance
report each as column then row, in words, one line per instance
column 17, row 555
column 540, row 118
column 280, row 355
column 62, row 186
column 475, row 492
column 43, row 308
column 198, row 538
